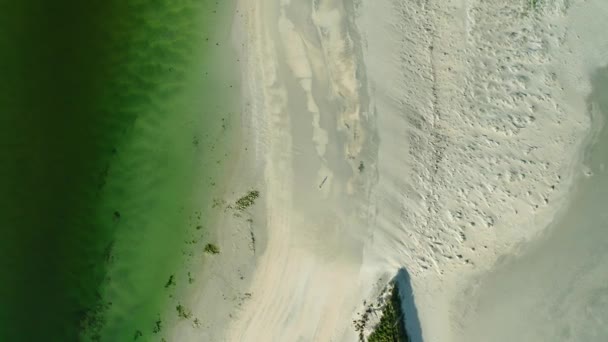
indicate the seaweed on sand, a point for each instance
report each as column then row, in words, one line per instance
column 248, row 200
column 212, row 249
column 182, row 312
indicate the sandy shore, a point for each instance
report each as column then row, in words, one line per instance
column 435, row 136
column 490, row 120
column 308, row 116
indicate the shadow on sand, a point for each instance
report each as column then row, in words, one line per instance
column 408, row 306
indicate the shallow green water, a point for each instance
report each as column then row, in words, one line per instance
column 115, row 122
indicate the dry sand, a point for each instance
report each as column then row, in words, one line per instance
column 431, row 135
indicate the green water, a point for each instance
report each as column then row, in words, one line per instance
column 115, row 124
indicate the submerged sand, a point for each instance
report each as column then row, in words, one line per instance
column 431, row 135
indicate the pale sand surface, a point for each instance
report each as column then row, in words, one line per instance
column 492, row 111
column 554, row 287
column 468, row 118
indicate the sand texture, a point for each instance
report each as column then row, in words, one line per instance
column 435, row 136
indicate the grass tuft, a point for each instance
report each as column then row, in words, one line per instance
column 391, row 327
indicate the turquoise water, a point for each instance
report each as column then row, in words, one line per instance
column 557, row 290
column 115, row 123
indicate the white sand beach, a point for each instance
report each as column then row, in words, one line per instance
column 435, row 136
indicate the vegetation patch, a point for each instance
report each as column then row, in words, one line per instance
column 217, row 202
column 170, row 282
column 196, row 323
column 182, row 312
column 158, row 326
column 248, row 200
column 391, row 327
column 212, row 249
column 534, row 4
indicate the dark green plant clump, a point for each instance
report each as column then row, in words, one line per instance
column 170, row 282
column 212, row 249
column 391, row 327
column 182, row 312
column 248, row 200
column 158, row 326
column 535, row 3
